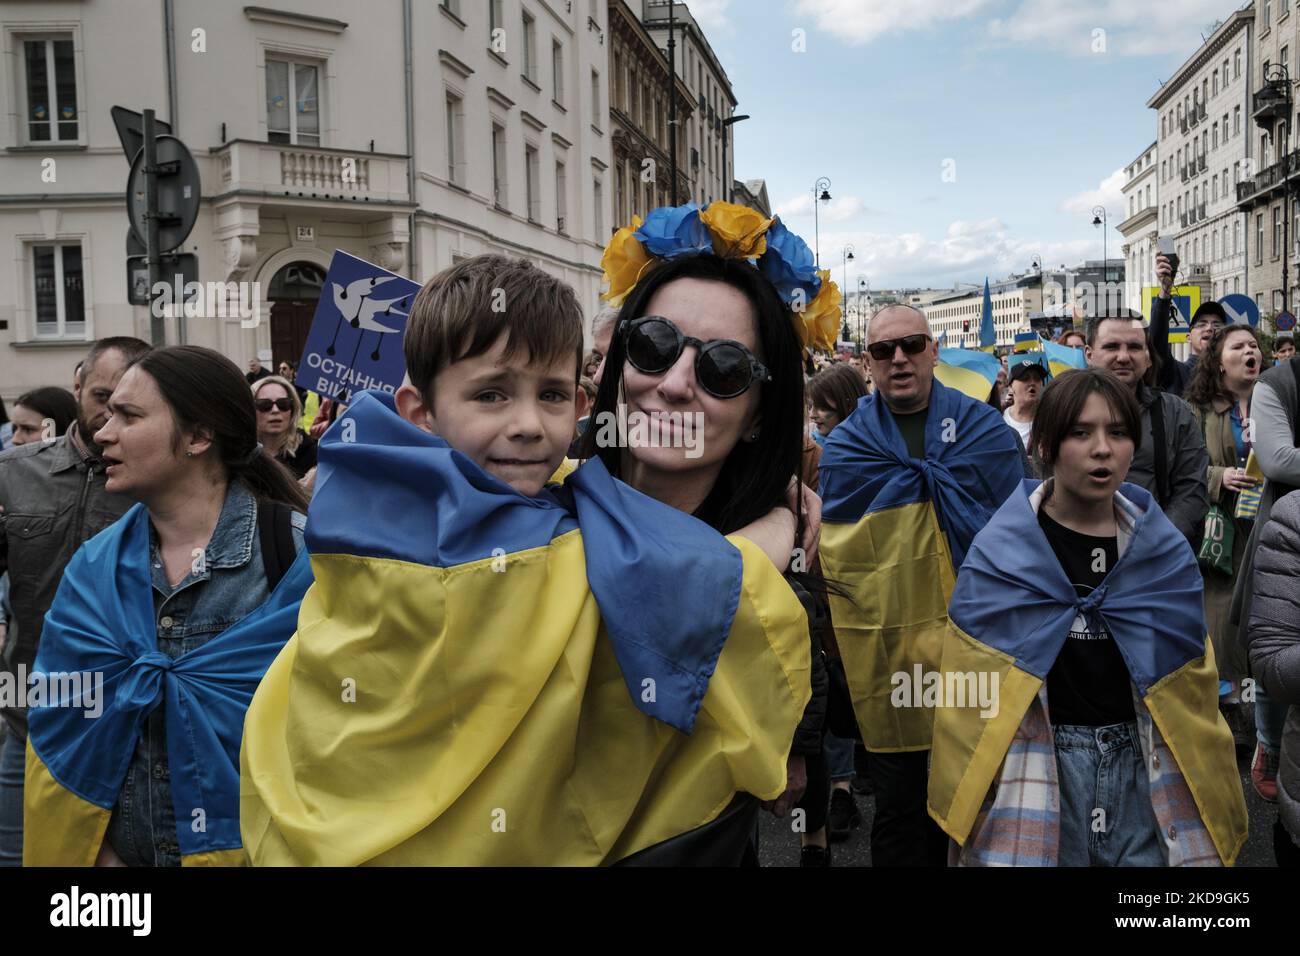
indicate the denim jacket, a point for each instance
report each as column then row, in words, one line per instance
column 231, row 584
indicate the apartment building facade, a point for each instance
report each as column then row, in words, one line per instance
column 1140, row 227
column 1203, row 145
column 411, row 136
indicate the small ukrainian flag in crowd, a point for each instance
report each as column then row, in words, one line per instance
column 1062, row 358
column 1025, row 341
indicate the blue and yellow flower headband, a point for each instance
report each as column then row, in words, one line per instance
column 732, row 232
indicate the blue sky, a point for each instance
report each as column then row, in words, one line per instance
column 1039, row 126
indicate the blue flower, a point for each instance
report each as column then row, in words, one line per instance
column 672, row 231
column 789, row 264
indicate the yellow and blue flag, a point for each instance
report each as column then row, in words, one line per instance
column 102, row 623
column 483, row 678
column 988, row 334
column 1025, row 342
column 970, row 372
column 1062, row 358
column 894, row 530
column 1011, row 613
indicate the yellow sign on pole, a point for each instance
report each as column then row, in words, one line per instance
column 1187, row 299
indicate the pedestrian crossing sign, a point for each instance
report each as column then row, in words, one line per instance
column 1186, row 300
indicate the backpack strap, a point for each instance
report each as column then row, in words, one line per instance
column 1161, row 451
column 275, row 531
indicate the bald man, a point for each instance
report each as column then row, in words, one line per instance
column 907, row 481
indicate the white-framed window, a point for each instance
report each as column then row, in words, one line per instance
column 293, row 104
column 58, row 290
column 529, row 44
column 496, row 17
column 532, row 184
column 49, row 84
column 598, row 196
column 500, row 190
column 596, row 119
column 557, row 71
column 561, row 197
column 455, row 138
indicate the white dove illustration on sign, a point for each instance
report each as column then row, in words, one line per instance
column 357, row 307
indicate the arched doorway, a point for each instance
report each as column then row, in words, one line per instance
column 294, row 292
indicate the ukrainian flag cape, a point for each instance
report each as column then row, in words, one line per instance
column 480, row 677
column 894, row 529
column 102, row 622
column 1010, row 614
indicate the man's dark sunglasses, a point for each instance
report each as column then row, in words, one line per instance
column 912, row 345
column 266, row 404
column 724, row 369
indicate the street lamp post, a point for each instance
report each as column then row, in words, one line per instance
column 846, row 256
column 1099, row 219
column 821, row 193
column 726, row 178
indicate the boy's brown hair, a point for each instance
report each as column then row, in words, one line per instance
column 462, row 311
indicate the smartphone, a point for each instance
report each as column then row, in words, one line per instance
column 1165, row 246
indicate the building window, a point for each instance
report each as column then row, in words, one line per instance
column 499, row 194
column 529, row 41
column 1236, row 64
column 598, row 201
column 496, row 19
column 292, row 103
column 1236, row 237
column 1215, row 85
column 455, row 138
column 1277, row 231
column 1215, row 138
column 1268, row 13
column 596, row 118
column 51, row 79
column 1214, row 181
column 561, row 198
column 557, row 70
column 532, row 187
column 59, row 293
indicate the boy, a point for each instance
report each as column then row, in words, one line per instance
column 493, row 357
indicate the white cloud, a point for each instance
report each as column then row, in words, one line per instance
column 968, row 251
column 861, row 21
column 839, row 209
column 1108, row 193
column 1129, row 29
column 1063, row 26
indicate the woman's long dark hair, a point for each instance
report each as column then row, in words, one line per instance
column 207, row 391
column 1206, row 383
column 755, row 475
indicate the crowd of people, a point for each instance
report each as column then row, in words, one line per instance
column 481, row 619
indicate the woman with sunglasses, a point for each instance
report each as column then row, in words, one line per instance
column 709, row 340
column 278, row 410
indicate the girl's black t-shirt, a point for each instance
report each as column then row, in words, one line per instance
column 1088, row 684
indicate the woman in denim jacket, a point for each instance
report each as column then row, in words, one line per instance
column 182, row 440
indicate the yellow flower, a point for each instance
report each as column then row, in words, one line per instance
column 624, row 262
column 738, row 232
column 819, row 322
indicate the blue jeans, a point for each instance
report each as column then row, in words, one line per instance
column 1270, row 716
column 1106, row 814
column 13, row 762
column 839, row 757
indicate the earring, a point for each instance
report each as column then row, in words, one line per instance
column 754, row 436
column 189, row 454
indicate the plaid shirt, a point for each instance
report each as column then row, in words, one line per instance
column 1020, row 822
